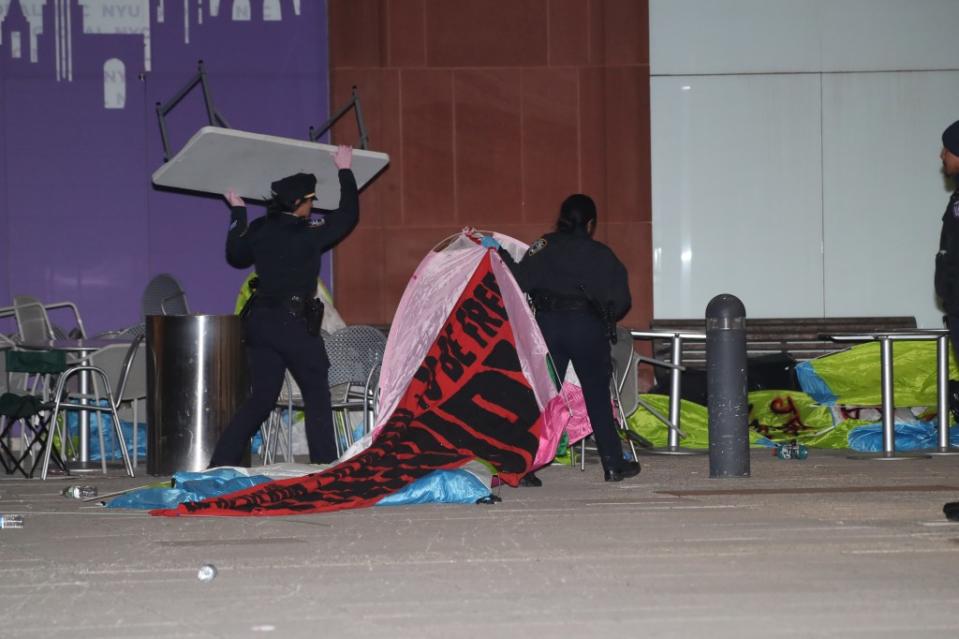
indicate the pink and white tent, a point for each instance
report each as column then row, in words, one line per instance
column 427, row 302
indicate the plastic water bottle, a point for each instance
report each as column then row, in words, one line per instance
column 80, row 492
column 207, row 572
column 791, row 451
column 11, row 521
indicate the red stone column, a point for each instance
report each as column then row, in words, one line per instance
column 492, row 112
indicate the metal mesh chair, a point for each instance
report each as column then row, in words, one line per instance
column 355, row 354
column 33, row 320
column 33, row 327
column 125, row 366
column 61, row 401
column 163, row 295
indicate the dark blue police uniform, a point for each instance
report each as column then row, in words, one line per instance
column 947, row 267
column 286, row 251
column 579, row 289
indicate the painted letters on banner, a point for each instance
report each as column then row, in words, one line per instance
column 468, row 399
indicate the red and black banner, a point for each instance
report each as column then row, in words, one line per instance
column 468, row 399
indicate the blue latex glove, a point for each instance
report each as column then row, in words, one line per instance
column 489, row 242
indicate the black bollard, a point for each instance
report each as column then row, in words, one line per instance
column 726, row 387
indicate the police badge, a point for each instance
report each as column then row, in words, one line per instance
column 537, row 246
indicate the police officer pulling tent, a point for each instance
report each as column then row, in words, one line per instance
column 579, row 290
column 281, row 321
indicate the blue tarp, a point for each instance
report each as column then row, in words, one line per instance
column 109, row 438
column 441, row 486
column 814, row 385
column 909, row 436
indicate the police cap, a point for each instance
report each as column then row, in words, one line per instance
column 293, row 188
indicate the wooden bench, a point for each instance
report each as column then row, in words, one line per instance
column 800, row 338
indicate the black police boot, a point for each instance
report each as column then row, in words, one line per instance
column 951, row 511
column 626, row 470
column 531, row 480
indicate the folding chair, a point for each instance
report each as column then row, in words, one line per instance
column 31, row 411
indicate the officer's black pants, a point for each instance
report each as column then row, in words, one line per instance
column 952, row 323
column 276, row 341
column 580, row 337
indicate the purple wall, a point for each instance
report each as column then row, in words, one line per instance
column 78, row 215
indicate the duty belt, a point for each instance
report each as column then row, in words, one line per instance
column 295, row 304
column 300, row 307
column 546, row 301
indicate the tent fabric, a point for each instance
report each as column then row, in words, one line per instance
column 442, row 486
column 786, row 416
column 468, row 398
column 693, row 421
column 567, row 411
column 852, row 377
column 426, row 303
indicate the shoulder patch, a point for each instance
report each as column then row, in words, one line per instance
column 955, row 208
column 537, row 246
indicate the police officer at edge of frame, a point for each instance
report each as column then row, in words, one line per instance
column 281, row 321
column 947, row 259
column 580, row 290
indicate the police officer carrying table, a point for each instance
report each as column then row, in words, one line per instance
column 580, row 290
column 281, row 322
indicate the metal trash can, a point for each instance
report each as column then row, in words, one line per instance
column 196, row 380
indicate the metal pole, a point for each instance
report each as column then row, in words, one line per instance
column 726, row 387
column 85, row 418
column 942, row 388
column 888, row 405
column 206, row 94
column 675, row 390
column 675, row 403
column 364, row 138
column 942, row 397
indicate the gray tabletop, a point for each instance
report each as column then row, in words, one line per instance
column 73, row 345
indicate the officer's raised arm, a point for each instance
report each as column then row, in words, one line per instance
column 239, row 254
column 518, row 269
column 341, row 222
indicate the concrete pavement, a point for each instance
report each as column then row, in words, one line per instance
column 826, row 547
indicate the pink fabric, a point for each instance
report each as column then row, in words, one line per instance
column 426, row 303
column 566, row 411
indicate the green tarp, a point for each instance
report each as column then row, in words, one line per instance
column 780, row 416
column 853, row 375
